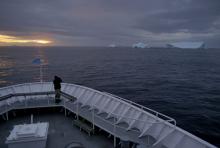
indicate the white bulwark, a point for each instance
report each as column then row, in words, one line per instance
column 187, row 45
column 28, row 136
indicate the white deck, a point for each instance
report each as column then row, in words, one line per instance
column 61, row 131
column 123, row 119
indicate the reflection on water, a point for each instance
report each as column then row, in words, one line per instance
column 3, row 82
column 6, row 65
column 3, row 74
column 16, row 65
column 5, row 62
column 40, row 53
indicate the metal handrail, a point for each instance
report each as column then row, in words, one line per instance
column 2, row 98
column 153, row 112
column 69, row 97
column 72, row 98
column 145, row 121
column 145, row 108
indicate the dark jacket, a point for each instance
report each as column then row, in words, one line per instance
column 57, row 80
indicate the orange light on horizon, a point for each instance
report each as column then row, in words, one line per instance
column 42, row 41
column 12, row 39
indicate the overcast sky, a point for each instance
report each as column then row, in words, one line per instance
column 103, row 22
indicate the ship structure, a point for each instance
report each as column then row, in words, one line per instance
column 85, row 118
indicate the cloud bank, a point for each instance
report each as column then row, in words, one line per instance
column 102, row 22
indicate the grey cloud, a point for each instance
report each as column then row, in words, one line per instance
column 195, row 16
column 101, row 22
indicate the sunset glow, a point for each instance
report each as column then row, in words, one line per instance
column 12, row 39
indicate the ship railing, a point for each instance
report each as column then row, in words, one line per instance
column 69, row 97
column 2, row 98
column 130, row 118
column 117, row 126
column 125, row 126
column 157, row 114
column 115, row 123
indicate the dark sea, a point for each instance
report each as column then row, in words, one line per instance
column 181, row 83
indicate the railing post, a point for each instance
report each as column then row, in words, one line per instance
column 32, row 119
column 174, row 122
column 148, row 140
column 64, row 106
column 93, row 119
column 25, row 100
column 7, row 113
column 48, row 99
column 114, row 132
column 157, row 116
column 77, row 111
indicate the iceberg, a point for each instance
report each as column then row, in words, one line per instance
column 139, row 45
column 186, row 45
column 112, row 45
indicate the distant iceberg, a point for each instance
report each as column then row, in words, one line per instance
column 139, row 45
column 187, row 45
column 112, row 45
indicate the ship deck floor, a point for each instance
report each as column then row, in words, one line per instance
column 61, row 129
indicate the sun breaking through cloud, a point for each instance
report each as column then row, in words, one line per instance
column 12, row 39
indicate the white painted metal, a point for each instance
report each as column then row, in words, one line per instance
column 88, row 97
column 157, row 131
column 103, row 105
column 112, row 108
column 28, row 135
column 136, row 117
column 123, row 114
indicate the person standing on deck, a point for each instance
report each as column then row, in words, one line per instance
column 57, row 86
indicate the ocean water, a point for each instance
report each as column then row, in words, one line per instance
column 181, row 83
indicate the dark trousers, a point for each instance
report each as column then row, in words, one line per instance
column 57, row 95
